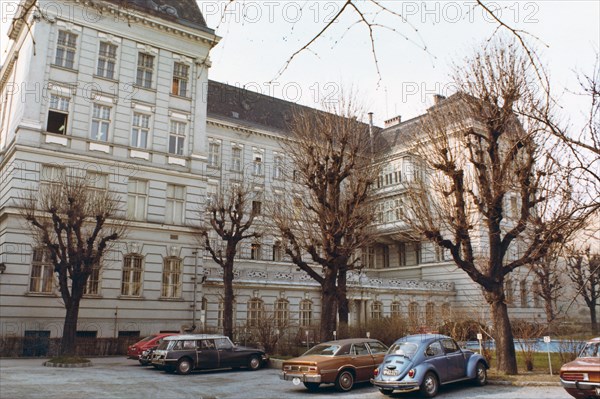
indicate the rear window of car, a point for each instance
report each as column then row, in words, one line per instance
column 148, row 338
column 323, row 350
column 377, row 347
column 592, row 349
column 407, row 349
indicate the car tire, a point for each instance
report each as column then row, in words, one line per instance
column 480, row 374
column 312, row 386
column 254, row 363
column 430, row 385
column 184, row 366
column 344, row 381
column 386, row 392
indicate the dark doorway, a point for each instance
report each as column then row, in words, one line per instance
column 36, row 343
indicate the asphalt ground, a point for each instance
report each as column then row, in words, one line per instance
column 117, row 377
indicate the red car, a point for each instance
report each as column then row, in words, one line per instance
column 134, row 351
column 581, row 377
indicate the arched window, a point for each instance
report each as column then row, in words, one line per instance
column 255, row 312
column 413, row 314
column 171, row 278
column 430, row 314
column 508, row 291
column 282, row 313
column 376, row 310
column 221, row 311
column 306, row 313
column 395, row 310
column 523, row 293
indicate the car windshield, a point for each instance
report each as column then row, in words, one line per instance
column 164, row 345
column 406, row 349
column 592, row 349
column 323, row 350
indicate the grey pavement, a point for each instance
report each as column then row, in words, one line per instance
column 117, row 377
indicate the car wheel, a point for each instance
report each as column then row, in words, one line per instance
column 184, row 366
column 480, row 374
column 344, row 381
column 387, row 392
column 254, row 363
column 429, row 386
column 312, row 386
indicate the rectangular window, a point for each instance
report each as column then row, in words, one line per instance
column 214, row 154
column 177, row 137
column 180, row 80
column 93, row 282
column 175, row 204
column 41, row 279
column 255, row 312
column 140, row 127
column 255, row 251
column 277, row 251
column 368, row 257
column 58, row 114
column 137, row 197
column 97, row 184
column 51, row 176
column 256, row 207
column 236, row 159
column 145, row 70
column 278, row 167
column 281, row 313
column 107, row 59
column 65, row 49
column 258, row 165
column 376, row 310
column 100, row 122
column 401, row 254
column 171, row 279
column 305, row 313
column 131, row 284
column 395, row 310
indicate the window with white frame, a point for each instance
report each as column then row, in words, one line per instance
column 177, row 137
column 214, row 153
column 131, row 281
column 171, row 278
column 282, row 312
column 145, row 70
column 66, row 47
column 236, row 159
column 306, row 313
column 277, row 251
column 395, row 310
column 92, row 284
column 376, row 310
column 137, row 198
column 255, row 312
column 175, row 204
column 278, row 167
column 221, row 312
column 58, row 114
column 368, row 257
column 257, row 163
column 179, row 86
column 413, row 314
column 107, row 59
column 140, row 129
column 97, row 184
column 100, row 122
column 42, row 271
column 51, row 175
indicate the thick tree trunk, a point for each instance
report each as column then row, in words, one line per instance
column 506, row 358
column 228, row 300
column 67, row 343
column 594, row 320
column 343, row 307
column 328, row 308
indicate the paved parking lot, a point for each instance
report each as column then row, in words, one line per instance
column 112, row 378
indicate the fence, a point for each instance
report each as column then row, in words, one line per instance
column 48, row 347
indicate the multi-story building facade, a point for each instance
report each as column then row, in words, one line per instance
column 123, row 94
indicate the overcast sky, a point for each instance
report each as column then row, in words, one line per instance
column 259, row 36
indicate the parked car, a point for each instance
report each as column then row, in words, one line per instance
column 184, row 353
column 151, row 341
column 424, row 362
column 146, row 356
column 342, row 363
column 581, row 377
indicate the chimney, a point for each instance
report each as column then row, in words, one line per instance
column 437, row 98
column 393, row 121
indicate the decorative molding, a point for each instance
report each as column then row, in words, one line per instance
column 51, row 139
column 139, row 154
column 176, row 161
column 257, row 274
column 99, row 147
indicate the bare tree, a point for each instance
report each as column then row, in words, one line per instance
column 230, row 215
column 495, row 196
column 329, row 215
column 74, row 226
column 549, row 286
column 583, row 268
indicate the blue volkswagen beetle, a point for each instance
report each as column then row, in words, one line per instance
column 424, row 362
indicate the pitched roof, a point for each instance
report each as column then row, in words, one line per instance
column 184, row 12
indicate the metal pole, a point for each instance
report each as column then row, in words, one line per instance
column 195, row 253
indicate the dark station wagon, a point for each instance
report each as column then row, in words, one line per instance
column 184, row 353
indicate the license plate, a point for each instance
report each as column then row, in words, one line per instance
column 390, row 372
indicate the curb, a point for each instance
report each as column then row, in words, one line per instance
column 68, row 365
column 524, row 383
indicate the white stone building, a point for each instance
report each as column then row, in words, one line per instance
column 123, row 93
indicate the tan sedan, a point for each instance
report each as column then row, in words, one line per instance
column 342, row 363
